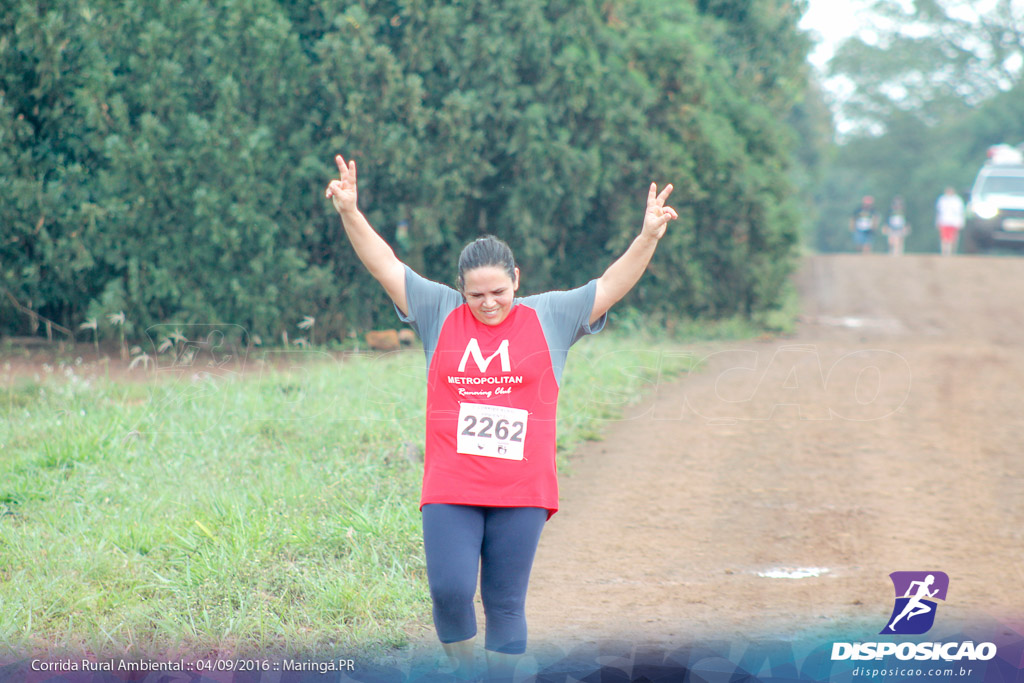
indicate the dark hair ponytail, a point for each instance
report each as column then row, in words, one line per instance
column 486, row 251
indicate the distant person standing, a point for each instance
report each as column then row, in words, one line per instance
column 949, row 219
column 896, row 227
column 863, row 224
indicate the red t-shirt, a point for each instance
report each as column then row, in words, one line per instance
column 492, row 394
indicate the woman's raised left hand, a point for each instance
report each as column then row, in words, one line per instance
column 657, row 215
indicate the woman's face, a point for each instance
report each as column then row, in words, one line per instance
column 489, row 292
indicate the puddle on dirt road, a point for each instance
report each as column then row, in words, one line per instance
column 793, row 572
column 885, row 324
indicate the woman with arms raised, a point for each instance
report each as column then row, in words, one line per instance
column 494, row 364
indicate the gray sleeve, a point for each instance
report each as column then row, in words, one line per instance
column 565, row 319
column 429, row 304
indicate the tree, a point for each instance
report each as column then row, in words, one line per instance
column 936, row 57
column 168, row 159
column 159, row 164
column 939, row 83
column 535, row 120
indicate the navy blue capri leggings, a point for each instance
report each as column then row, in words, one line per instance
column 459, row 540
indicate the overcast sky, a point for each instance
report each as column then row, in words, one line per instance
column 831, row 21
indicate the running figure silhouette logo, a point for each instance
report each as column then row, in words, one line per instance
column 916, row 593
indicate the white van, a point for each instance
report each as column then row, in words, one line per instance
column 995, row 213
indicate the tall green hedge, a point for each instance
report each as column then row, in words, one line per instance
column 167, row 158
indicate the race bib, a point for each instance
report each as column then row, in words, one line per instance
column 491, row 431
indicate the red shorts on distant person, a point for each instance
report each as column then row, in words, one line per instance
column 947, row 233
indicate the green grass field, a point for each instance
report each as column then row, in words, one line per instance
column 271, row 512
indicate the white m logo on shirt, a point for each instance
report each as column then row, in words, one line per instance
column 473, row 349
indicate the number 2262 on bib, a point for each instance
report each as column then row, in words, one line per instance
column 491, row 431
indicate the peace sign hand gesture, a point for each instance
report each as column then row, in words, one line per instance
column 657, row 215
column 342, row 192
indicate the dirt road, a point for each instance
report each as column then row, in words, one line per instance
column 885, row 435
